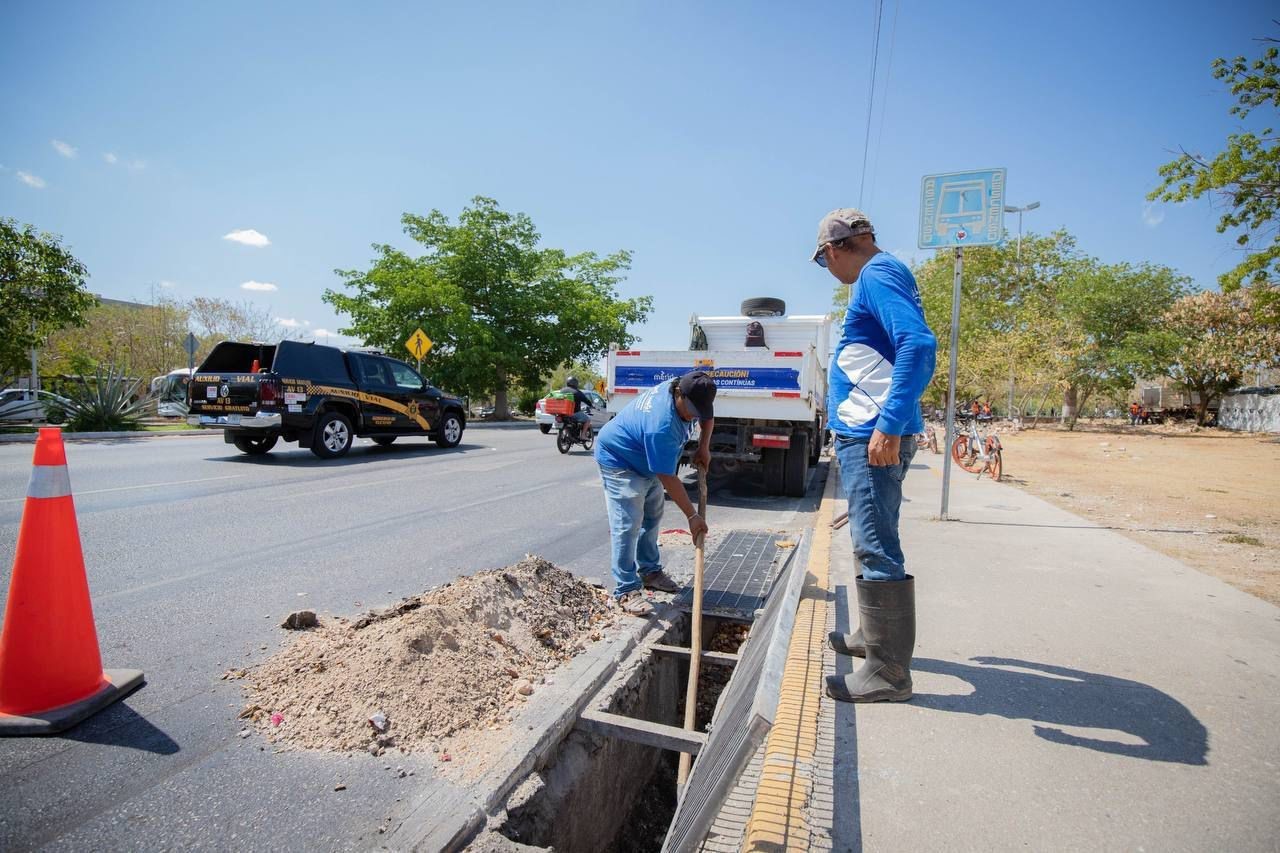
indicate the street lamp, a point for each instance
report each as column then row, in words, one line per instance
column 1011, row 208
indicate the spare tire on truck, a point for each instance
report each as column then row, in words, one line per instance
column 763, row 306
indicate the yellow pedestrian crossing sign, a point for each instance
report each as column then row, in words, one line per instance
column 418, row 344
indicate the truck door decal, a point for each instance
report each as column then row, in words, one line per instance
column 410, row 411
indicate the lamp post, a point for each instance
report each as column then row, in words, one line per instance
column 1010, row 208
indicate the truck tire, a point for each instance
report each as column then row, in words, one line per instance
column 255, row 445
column 815, row 448
column 384, row 440
column 450, row 432
column 797, row 465
column 333, row 436
column 763, row 306
column 774, row 470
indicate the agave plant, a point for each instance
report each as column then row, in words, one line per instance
column 107, row 403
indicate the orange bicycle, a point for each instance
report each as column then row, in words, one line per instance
column 978, row 454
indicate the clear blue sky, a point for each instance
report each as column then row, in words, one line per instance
column 707, row 138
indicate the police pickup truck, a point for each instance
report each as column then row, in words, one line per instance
column 319, row 396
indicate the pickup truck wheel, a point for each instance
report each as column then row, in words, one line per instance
column 384, row 440
column 797, row 464
column 255, row 445
column 333, row 436
column 774, row 472
column 450, row 431
column 546, row 428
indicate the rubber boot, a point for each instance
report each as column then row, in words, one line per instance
column 848, row 644
column 887, row 612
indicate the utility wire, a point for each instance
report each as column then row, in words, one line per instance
column 871, row 98
column 884, row 99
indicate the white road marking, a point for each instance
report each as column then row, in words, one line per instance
column 77, row 493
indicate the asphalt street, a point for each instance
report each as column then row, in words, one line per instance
column 195, row 553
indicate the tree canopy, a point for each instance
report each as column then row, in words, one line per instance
column 500, row 309
column 42, row 289
column 1245, row 174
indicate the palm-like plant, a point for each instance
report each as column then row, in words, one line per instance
column 105, row 404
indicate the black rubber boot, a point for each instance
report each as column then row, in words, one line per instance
column 848, row 644
column 887, row 612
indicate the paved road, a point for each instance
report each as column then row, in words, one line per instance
column 196, row 552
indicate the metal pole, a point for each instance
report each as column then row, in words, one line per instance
column 951, row 383
column 1018, row 266
column 35, row 372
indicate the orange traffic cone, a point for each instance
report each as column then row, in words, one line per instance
column 51, row 674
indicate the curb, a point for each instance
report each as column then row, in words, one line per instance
column 30, row 438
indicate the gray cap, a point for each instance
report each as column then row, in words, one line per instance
column 841, row 223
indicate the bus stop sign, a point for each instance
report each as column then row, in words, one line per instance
column 962, row 209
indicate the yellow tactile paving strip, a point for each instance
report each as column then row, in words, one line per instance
column 779, row 815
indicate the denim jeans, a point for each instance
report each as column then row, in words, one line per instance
column 635, row 505
column 875, row 496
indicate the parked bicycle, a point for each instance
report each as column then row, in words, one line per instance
column 977, row 453
column 929, row 438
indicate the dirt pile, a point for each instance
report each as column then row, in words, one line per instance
column 454, row 659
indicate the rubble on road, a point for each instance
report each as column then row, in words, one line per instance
column 458, row 658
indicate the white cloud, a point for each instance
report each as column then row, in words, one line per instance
column 136, row 165
column 1152, row 216
column 306, row 322
column 248, row 237
column 288, row 322
column 264, row 286
column 31, row 180
column 110, row 158
column 168, row 285
column 322, row 333
column 64, row 149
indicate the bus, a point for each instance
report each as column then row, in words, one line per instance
column 170, row 393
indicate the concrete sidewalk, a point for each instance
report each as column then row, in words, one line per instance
column 1074, row 690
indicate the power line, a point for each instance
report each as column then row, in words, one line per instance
column 884, row 98
column 871, row 97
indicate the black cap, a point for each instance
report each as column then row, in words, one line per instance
column 700, row 390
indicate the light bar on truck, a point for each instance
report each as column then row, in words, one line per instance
column 765, row 440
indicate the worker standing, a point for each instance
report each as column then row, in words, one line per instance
column 881, row 366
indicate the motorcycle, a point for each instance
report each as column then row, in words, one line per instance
column 569, row 432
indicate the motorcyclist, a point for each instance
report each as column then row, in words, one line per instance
column 582, row 406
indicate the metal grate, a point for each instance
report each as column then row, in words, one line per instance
column 737, row 575
column 746, row 709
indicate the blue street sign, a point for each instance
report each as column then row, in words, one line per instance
column 962, row 209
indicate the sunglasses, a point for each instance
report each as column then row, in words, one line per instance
column 821, row 258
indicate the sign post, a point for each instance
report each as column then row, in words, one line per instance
column 190, row 345
column 419, row 345
column 959, row 209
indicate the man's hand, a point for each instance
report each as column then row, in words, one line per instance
column 697, row 526
column 884, row 449
column 702, row 459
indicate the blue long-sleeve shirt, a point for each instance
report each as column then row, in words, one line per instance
column 885, row 357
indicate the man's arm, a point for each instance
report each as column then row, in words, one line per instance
column 894, row 305
column 675, row 488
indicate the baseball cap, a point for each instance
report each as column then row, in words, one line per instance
column 837, row 225
column 700, row 390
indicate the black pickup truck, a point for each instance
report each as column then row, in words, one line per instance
column 319, row 396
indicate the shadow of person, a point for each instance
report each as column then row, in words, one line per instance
column 1060, row 697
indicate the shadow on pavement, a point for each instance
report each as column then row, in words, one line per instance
column 124, row 727
column 1058, row 696
column 358, row 455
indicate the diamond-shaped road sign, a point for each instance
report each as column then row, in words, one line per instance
column 962, row 209
column 418, row 344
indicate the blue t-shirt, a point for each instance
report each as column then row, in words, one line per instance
column 647, row 436
column 885, row 357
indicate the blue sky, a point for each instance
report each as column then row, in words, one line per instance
column 708, row 138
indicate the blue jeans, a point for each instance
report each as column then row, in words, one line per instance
column 875, row 496
column 635, row 505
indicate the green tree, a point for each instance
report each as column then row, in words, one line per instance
column 216, row 320
column 1245, row 174
column 1220, row 339
column 42, row 289
column 500, row 310
column 143, row 341
column 1111, row 331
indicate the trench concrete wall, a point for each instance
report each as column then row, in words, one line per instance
column 579, row 801
column 1250, row 412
